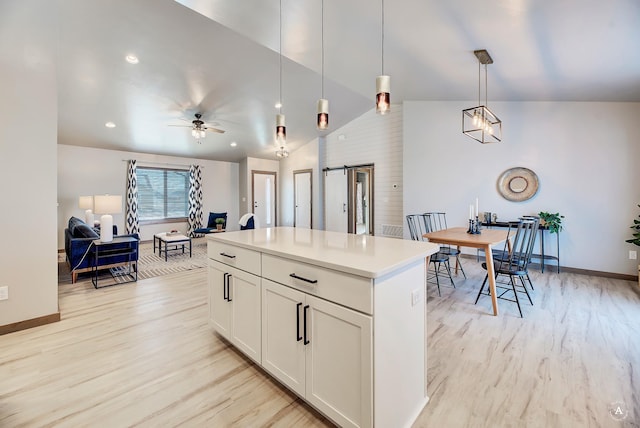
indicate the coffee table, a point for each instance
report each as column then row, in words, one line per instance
column 167, row 241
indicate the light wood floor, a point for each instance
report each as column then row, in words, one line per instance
column 142, row 355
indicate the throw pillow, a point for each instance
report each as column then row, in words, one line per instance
column 84, row 231
column 73, row 223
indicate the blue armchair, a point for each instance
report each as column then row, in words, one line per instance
column 211, row 223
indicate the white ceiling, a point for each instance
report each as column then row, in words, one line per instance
column 220, row 58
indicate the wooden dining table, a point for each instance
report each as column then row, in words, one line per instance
column 459, row 237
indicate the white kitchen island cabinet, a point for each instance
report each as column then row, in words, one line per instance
column 342, row 317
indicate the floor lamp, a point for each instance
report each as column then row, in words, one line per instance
column 86, row 203
column 107, row 205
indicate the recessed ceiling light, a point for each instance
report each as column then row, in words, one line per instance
column 132, row 59
column 233, row 144
column 278, row 105
column 110, row 125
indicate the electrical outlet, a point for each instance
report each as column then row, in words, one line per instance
column 4, row 293
column 416, row 296
column 633, row 254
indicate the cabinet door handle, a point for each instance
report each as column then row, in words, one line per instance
column 228, row 255
column 224, row 286
column 298, row 337
column 306, row 342
column 310, row 281
column 229, row 287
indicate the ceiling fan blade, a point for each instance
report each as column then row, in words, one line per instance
column 219, row 131
column 182, row 126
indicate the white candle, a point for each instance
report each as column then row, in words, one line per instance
column 470, row 212
column 476, row 207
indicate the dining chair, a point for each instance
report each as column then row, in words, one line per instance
column 438, row 221
column 504, row 255
column 512, row 263
column 418, row 226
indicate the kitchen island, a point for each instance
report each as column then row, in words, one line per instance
column 340, row 319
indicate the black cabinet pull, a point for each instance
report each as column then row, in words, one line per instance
column 228, row 255
column 298, row 337
column 229, row 287
column 224, row 286
column 306, row 342
column 310, row 281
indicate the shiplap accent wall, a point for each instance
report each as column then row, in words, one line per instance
column 376, row 139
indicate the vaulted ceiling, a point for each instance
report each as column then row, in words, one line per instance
column 221, row 58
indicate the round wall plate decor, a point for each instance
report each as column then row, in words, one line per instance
column 518, row 184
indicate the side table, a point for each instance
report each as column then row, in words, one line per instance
column 119, row 247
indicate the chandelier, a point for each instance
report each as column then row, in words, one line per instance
column 479, row 122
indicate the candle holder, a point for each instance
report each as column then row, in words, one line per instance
column 474, row 226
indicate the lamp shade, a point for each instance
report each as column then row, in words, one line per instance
column 107, row 204
column 85, row 202
column 323, row 114
column 383, row 94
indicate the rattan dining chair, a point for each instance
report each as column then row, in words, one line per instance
column 513, row 264
column 418, row 226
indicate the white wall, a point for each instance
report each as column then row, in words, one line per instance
column 376, row 139
column 585, row 155
column 28, row 102
column 88, row 171
column 306, row 157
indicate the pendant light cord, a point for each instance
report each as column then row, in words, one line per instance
column 486, row 90
column 280, row 109
column 322, row 56
column 383, row 37
column 479, row 102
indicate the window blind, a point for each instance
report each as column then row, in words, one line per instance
column 162, row 193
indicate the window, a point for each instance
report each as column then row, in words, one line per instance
column 162, row 194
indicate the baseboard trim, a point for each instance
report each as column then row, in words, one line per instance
column 26, row 324
column 553, row 269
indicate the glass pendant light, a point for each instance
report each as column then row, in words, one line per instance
column 323, row 104
column 383, row 82
column 281, row 129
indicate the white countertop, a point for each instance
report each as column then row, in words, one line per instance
column 363, row 255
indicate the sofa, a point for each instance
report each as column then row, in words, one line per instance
column 78, row 237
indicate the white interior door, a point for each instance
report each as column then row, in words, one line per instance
column 302, row 199
column 335, row 200
column 264, row 197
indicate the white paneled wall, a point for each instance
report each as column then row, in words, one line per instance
column 376, row 139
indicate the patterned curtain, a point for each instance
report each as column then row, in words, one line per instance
column 131, row 211
column 195, row 200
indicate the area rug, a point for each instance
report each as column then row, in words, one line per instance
column 149, row 264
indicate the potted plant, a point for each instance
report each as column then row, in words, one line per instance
column 636, row 239
column 552, row 221
column 219, row 223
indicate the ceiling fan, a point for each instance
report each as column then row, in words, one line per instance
column 199, row 128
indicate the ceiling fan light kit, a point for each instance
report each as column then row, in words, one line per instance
column 479, row 122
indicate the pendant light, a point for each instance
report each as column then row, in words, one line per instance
column 323, row 104
column 281, row 129
column 479, row 122
column 383, row 82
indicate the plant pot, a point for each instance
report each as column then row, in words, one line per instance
column 219, row 226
